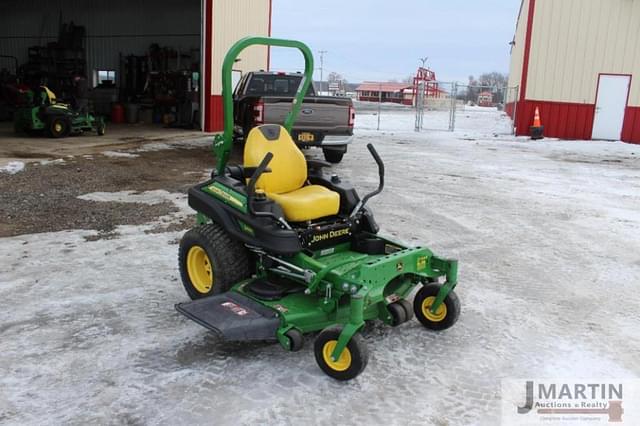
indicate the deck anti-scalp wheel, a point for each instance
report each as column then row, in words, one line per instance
column 296, row 340
column 210, row 261
column 398, row 314
column 408, row 308
column 445, row 316
column 352, row 360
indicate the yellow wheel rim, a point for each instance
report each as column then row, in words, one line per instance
column 199, row 269
column 57, row 127
column 440, row 314
column 342, row 363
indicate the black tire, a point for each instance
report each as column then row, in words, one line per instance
column 354, row 357
column 408, row 308
column 447, row 314
column 100, row 128
column 333, row 156
column 59, row 127
column 398, row 314
column 296, row 340
column 228, row 261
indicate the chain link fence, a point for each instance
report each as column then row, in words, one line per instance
column 443, row 106
column 438, row 100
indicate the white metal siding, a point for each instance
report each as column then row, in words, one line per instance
column 127, row 26
column 575, row 40
column 233, row 20
column 517, row 52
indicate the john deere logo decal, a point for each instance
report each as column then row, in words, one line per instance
column 421, row 263
column 399, row 266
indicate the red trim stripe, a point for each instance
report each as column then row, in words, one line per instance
column 207, row 78
column 527, row 50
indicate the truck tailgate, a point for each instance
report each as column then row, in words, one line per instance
column 330, row 116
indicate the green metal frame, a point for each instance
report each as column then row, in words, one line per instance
column 222, row 144
column 350, row 288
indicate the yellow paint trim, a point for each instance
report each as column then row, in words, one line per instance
column 440, row 314
column 342, row 363
column 200, row 270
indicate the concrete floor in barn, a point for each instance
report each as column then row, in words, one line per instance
column 26, row 148
column 548, row 239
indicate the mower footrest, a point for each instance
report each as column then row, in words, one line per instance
column 233, row 316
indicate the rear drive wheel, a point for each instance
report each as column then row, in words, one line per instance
column 445, row 316
column 59, row 127
column 333, row 156
column 352, row 360
column 210, row 261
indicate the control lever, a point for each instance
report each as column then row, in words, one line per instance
column 372, row 194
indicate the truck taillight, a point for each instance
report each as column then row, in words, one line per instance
column 258, row 113
column 352, row 116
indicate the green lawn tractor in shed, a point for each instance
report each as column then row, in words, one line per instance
column 41, row 112
column 282, row 250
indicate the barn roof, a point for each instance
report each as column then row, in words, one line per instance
column 383, row 87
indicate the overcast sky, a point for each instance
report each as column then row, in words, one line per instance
column 383, row 39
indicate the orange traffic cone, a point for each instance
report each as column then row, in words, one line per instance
column 537, row 130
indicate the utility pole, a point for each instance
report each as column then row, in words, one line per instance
column 321, row 52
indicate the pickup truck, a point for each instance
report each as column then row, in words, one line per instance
column 324, row 121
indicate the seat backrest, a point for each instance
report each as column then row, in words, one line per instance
column 288, row 166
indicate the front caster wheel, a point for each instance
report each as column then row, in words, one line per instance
column 352, row 360
column 445, row 316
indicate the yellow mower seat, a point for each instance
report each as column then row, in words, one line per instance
column 286, row 183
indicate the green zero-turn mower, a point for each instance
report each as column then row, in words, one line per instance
column 42, row 112
column 281, row 250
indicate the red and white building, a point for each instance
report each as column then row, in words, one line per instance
column 372, row 91
column 399, row 93
column 204, row 30
column 225, row 22
column 485, row 99
column 579, row 63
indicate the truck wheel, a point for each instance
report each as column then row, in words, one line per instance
column 446, row 315
column 210, row 261
column 332, row 156
column 59, row 127
column 352, row 361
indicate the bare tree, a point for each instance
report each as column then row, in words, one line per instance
column 497, row 81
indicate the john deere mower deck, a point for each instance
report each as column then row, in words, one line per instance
column 281, row 250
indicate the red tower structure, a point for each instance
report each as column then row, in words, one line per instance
column 430, row 83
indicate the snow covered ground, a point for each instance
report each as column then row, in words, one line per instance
column 547, row 234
